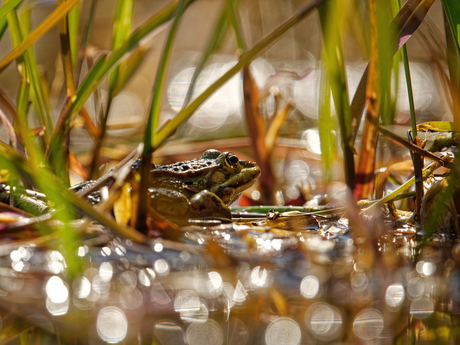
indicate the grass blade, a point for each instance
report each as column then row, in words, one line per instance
column 38, row 32
column 37, row 93
column 413, row 148
column 452, row 28
column 73, row 19
column 66, row 53
column 326, row 128
column 218, row 33
column 122, row 23
column 99, row 71
column 404, row 25
column 377, row 93
column 331, row 19
column 154, row 116
column 257, row 131
column 8, row 6
column 232, row 19
column 245, row 59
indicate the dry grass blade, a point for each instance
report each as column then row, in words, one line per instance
column 365, row 174
column 414, row 148
column 39, row 31
column 405, row 24
column 257, row 132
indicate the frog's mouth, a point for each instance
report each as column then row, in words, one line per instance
column 231, row 189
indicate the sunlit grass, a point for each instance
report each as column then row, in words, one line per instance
column 43, row 160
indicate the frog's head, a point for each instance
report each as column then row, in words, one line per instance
column 231, row 176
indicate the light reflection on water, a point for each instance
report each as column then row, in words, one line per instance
column 394, row 296
column 313, row 289
column 323, row 320
column 57, row 301
column 422, row 307
column 368, row 324
column 112, row 325
column 309, row 287
column 283, row 331
column 169, row 333
column 208, row 332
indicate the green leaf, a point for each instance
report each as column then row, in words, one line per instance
column 437, row 126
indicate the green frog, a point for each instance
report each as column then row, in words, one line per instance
column 200, row 188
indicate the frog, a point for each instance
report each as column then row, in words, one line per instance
column 200, row 188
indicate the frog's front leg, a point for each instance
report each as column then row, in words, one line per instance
column 175, row 207
column 207, row 204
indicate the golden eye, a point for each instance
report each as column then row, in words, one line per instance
column 232, row 159
column 218, row 177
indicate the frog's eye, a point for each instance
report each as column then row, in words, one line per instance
column 232, row 159
column 218, row 177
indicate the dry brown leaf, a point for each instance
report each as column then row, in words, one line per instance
column 122, row 208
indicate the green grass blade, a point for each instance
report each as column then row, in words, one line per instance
column 217, row 34
column 331, row 18
column 38, row 32
column 404, row 25
column 66, row 53
column 452, row 10
column 8, row 6
column 160, row 80
column 452, row 28
column 88, row 85
column 409, row 183
column 245, row 59
column 232, row 19
column 100, row 70
column 74, row 21
column 85, row 37
column 122, row 23
column 128, row 69
column 326, row 127
column 3, row 26
column 154, row 116
column 38, row 95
